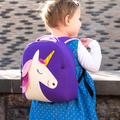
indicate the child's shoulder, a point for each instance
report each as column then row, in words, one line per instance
column 73, row 44
column 75, row 41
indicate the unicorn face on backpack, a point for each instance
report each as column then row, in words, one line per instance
column 48, row 71
column 38, row 75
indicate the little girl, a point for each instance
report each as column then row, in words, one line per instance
column 62, row 19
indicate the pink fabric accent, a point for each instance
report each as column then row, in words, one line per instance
column 46, row 36
column 26, row 68
column 23, row 89
column 42, row 61
column 25, row 81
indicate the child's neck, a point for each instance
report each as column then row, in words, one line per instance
column 58, row 33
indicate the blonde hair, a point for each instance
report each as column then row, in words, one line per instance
column 54, row 12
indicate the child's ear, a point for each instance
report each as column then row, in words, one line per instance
column 67, row 20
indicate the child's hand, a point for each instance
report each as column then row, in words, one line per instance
column 86, row 41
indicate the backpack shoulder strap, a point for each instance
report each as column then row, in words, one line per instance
column 70, row 40
column 86, row 84
column 66, row 39
column 80, row 78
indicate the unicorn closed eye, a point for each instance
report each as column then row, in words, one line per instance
column 35, row 75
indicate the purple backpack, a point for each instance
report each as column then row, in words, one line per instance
column 48, row 71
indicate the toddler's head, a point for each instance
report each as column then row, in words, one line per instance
column 55, row 11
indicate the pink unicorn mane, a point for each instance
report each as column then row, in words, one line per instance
column 25, row 70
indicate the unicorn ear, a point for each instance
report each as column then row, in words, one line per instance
column 36, row 56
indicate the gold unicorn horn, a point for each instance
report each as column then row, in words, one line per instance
column 48, row 58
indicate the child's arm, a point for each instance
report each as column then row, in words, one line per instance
column 91, row 61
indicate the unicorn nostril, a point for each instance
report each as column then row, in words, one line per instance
column 54, row 84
